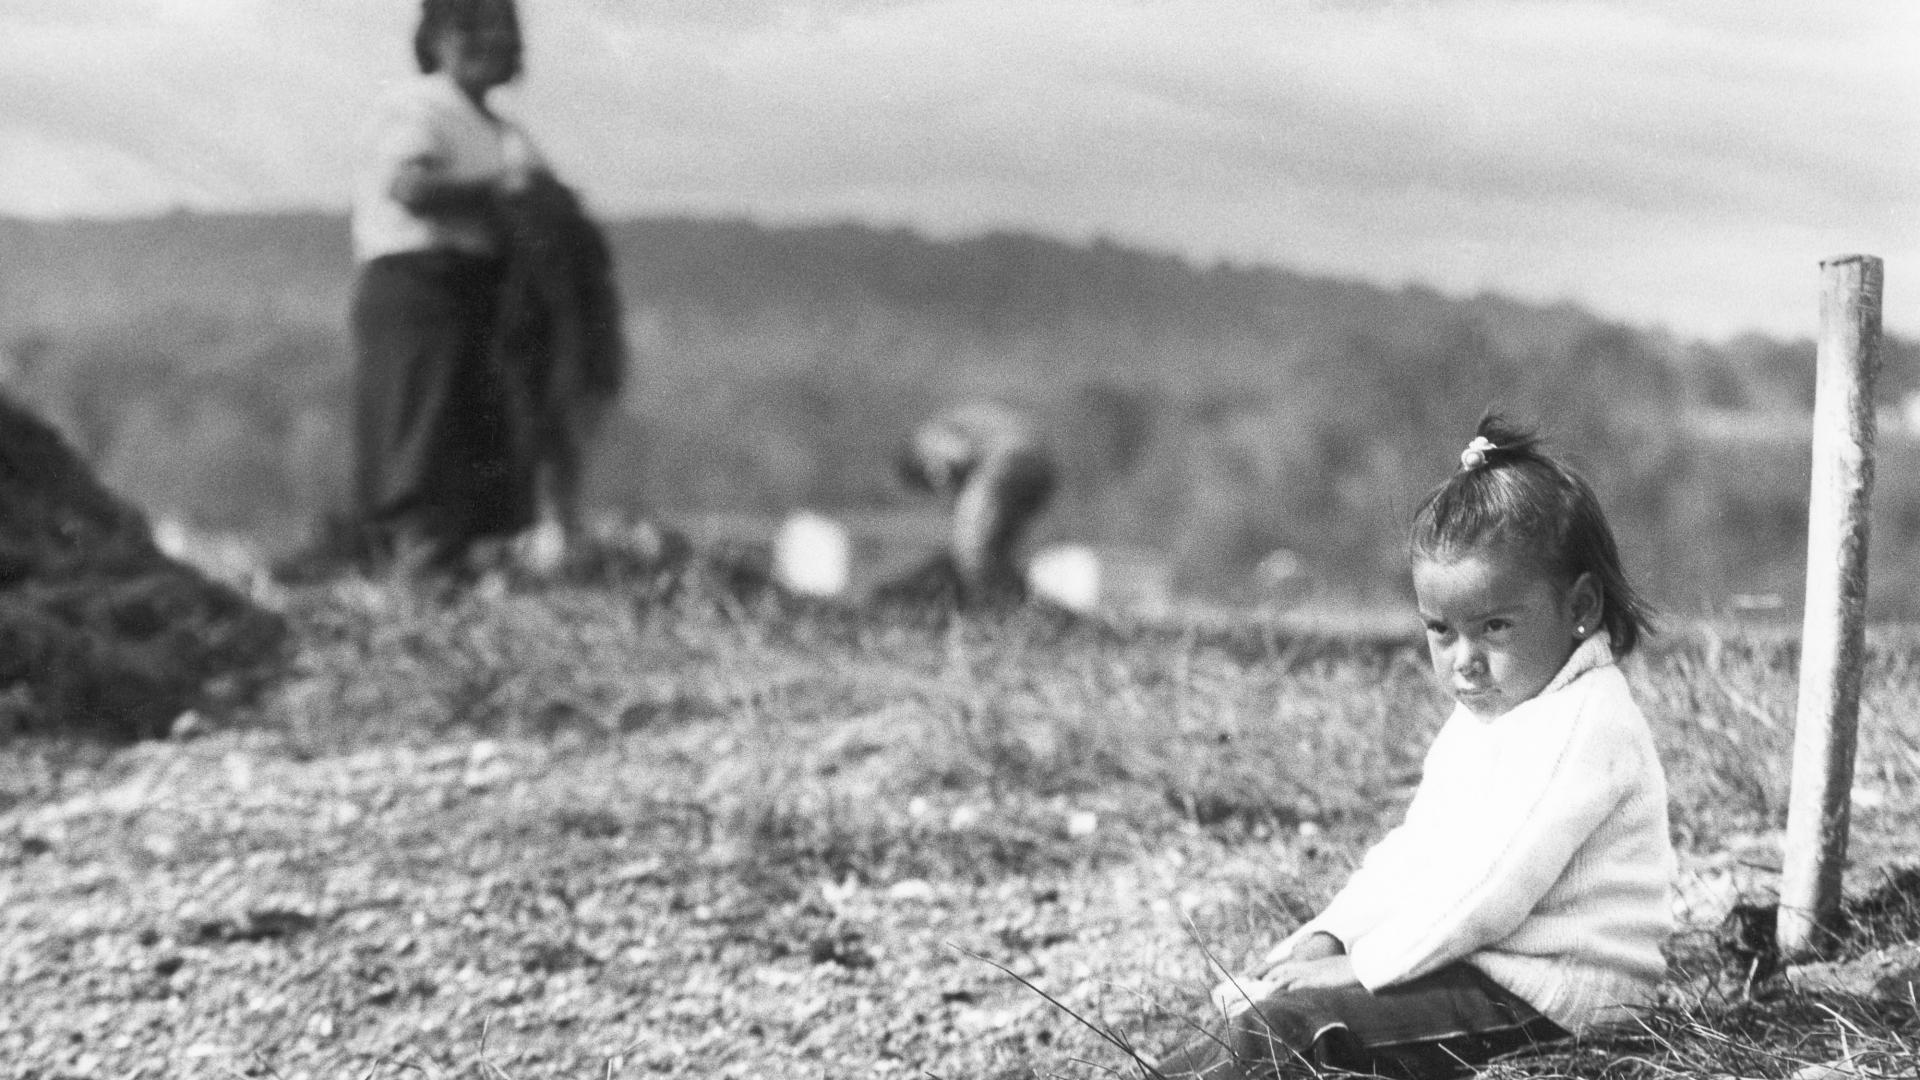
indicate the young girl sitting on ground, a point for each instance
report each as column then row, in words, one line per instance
column 1524, row 898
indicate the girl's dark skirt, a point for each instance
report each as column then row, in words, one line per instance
column 437, row 460
column 1439, row 1025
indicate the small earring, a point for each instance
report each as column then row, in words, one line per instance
column 1580, row 631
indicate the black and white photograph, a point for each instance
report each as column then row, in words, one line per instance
column 1168, row 539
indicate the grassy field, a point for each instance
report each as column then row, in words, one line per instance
column 651, row 827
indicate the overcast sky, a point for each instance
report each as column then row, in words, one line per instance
column 1675, row 162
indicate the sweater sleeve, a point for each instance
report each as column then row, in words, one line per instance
column 1509, row 833
column 1360, row 904
column 1378, row 884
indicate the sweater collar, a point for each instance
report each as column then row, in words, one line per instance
column 1593, row 653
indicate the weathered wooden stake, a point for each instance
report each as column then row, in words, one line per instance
column 1833, row 637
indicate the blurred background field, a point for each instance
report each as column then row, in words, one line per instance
column 1206, row 416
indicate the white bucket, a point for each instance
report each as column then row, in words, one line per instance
column 1068, row 575
column 812, row 555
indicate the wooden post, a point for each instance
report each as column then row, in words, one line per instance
column 1833, row 636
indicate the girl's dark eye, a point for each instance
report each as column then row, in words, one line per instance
column 1494, row 626
column 1438, row 628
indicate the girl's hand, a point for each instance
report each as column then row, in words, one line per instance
column 1308, row 964
column 1235, row 995
column 1327, row 973
column 1316, row 946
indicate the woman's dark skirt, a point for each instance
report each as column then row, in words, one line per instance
column 438, row 461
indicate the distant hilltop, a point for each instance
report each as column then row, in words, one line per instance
column 1005, row 282
column 1120, row 311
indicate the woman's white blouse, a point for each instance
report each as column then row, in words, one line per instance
column 427, row 120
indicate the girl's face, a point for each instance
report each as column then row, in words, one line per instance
column 481, row 53
column 1498, row 630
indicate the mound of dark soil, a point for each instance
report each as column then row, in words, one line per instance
column 99, row 630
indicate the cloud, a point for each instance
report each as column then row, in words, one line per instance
column 226, row 104
column 1546, row 147
column 1607, row 103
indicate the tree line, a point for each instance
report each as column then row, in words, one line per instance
column 1211, row 412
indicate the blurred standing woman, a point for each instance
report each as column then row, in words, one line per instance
column 436, row 462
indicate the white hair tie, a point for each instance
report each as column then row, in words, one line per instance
column 1475, row 455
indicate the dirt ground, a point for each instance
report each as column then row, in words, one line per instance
column 221, row 909
column 723, row 879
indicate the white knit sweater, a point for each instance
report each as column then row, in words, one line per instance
column 1536, row 849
